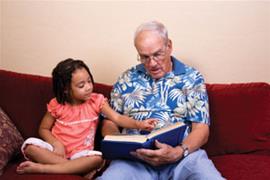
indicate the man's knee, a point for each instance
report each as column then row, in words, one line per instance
column 197, row 166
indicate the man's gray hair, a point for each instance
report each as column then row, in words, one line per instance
column 153, row 26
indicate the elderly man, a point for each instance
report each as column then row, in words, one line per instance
column 164, row 88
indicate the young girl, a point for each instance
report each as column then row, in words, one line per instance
column 69, row 126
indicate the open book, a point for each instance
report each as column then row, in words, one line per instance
column 120, row 146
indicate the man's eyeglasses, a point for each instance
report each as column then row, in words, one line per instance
column 157, row 56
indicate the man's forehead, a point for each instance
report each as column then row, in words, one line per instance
column 149, row 43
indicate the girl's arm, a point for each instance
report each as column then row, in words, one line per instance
column 46, row 134
column 125, row 121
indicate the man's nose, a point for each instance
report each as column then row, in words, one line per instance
column 152, row 61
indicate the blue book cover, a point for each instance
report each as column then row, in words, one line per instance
column 119, row 146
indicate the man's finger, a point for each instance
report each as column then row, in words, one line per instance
column 160, row 145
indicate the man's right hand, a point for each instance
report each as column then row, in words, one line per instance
column 164, row 154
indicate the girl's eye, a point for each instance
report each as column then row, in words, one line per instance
column 81, row 86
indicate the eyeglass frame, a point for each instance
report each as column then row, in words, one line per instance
column 156, row 56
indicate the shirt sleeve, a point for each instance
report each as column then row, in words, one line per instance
column 97, row 101
column 197, row 100
column 116, row 101
column 54, row 108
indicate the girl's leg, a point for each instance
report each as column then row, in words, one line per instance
column 41, row 155
column 38, row 150
column 77, row 166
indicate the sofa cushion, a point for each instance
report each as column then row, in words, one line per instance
column 24, row 98
column 243, row 166
column 10, row 140
column 240, row 118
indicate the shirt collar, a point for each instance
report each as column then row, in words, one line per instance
column 178, row 67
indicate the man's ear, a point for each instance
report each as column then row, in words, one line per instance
column 169, row 45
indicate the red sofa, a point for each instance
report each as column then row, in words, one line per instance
column 239, row 142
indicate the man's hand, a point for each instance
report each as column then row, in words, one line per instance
column 165, row 154
column 148, row 124
column 59, row 149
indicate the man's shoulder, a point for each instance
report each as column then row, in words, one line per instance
column 131, row 73
column 189, row 75
column 184, row 69
column 191, row 70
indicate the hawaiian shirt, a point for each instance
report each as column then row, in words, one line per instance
column 178, row 96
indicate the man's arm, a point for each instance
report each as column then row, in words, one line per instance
column 165, row 154
column 198, row 136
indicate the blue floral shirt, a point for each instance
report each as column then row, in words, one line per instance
column 179, row 96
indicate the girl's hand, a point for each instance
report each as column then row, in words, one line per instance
column 147, row 124
column 59, row 149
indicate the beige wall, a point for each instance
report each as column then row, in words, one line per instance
column 227, row 41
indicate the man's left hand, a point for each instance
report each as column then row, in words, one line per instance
column 164, row 154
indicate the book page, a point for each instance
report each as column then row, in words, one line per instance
column 126, row 137
column 141, row 138
column 165, row 129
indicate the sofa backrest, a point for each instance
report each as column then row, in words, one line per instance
column 24, row 97
column 240, row 118
column 240, row 113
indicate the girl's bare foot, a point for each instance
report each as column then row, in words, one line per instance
column 29, row 167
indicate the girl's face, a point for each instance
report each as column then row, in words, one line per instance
column 81, row 86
